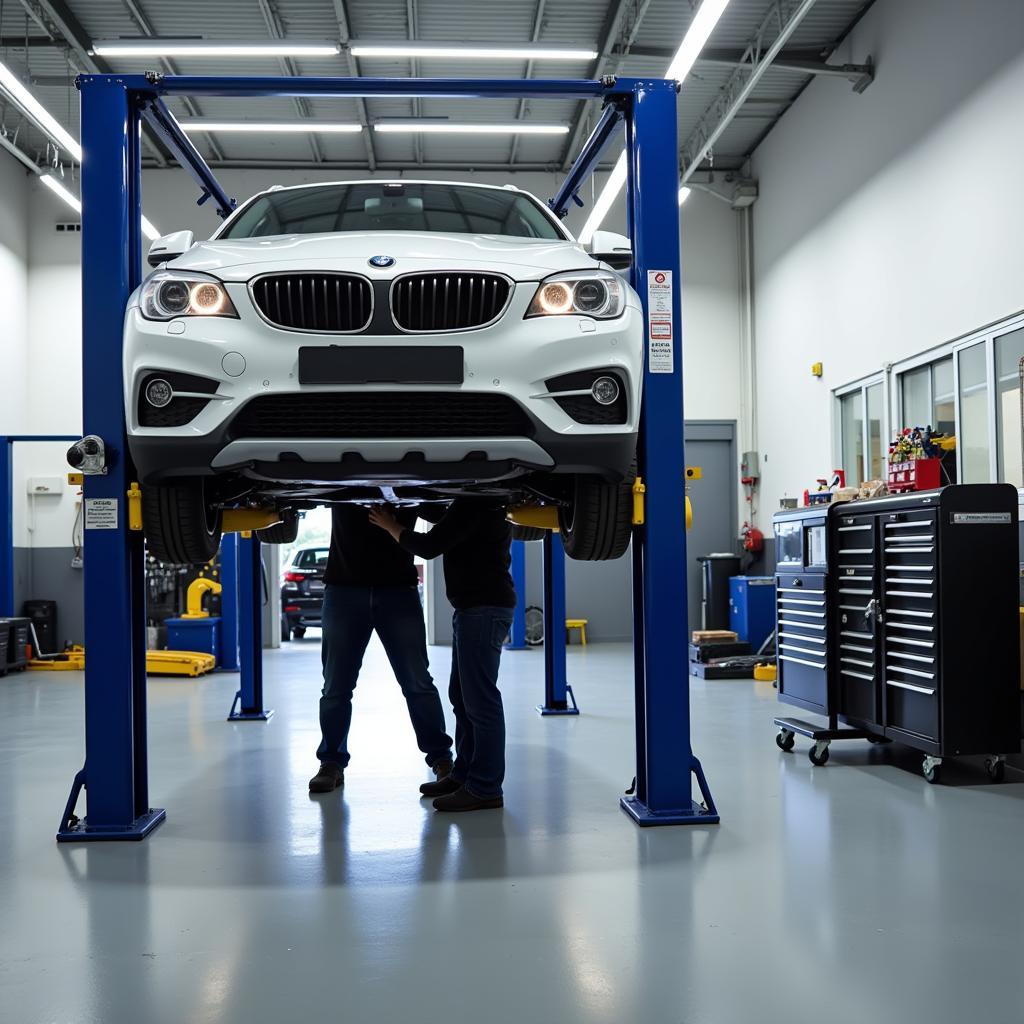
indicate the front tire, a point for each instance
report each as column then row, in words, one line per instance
column 181, row 526
column 598, row 524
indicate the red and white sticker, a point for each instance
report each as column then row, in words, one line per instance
column 660, row 322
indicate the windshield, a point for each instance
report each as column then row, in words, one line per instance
column 389, row 206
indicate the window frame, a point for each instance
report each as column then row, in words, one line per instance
column 838, row 394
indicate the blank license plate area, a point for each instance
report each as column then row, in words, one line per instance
column 377, row 364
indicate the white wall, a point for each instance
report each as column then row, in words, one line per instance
column 888, row 222
column 14, row 231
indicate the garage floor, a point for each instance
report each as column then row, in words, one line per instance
column 824, row 891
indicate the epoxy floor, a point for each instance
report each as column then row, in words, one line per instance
column 844, row 893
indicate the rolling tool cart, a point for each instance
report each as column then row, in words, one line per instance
column 919, row 642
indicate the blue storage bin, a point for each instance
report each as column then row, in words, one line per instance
column 195, row 635
column 752, row 608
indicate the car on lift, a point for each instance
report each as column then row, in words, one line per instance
column 302, row 592
column 400, row 341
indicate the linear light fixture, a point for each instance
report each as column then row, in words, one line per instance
column 153, row 47
column 697, row 35
column 469, row 51
column 462, row 128
column 684, row 194
column 203, row 124
column 54, row 185
column 37, row 112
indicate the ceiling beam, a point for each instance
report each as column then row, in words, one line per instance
column 287, row 65
column 781, row 21
column 538, row 22
column 611, row 32
column 345, row 35
column 802, row 61
column 56, row 18
column 190, row 105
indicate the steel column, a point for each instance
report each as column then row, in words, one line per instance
column 115, row 773
column 248, row 702
column 558, row 696
column 665, row 760
column 517, row 634
column 229, row 603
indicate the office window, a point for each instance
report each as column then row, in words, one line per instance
column 851, row 422
column 973, row 440
column 1009, row 351
column 927, row 397
column 878, row 446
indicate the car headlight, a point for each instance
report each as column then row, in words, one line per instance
column 167, row 295
column 595, row 293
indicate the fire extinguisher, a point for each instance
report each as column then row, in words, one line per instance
column 753, row 539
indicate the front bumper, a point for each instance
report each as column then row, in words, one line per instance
column 248, row 358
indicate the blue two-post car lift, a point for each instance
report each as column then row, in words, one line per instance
column 115, row 774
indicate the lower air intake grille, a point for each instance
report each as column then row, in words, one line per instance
column 382, row 414
column 448, row 302
column 326, row 303
column 180, row 410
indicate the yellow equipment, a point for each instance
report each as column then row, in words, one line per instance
column 764, row 673
column 194, row 601
column 243, row 520
column 544, row 517
column 158, row 663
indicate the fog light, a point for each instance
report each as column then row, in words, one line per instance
column 605, row 390
column 159, row 393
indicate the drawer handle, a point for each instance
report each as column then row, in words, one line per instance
column 800, row 661
column 927, row 691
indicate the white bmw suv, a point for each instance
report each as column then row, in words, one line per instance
column 383, row 340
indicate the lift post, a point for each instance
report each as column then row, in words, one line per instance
column 115, row 772
column 558, row 695
column 248, row 703
column 231, row 602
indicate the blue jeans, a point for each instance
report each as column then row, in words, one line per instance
column 350, row 615
column 478, row 635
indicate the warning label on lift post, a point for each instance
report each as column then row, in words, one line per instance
column 101, row 513
column 660, row 323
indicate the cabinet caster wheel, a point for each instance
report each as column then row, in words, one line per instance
column 818, row 756
column 785, row 741
column 933, row 773
column 996, row 769
column 877, row 741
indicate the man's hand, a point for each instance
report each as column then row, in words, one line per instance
column 382, row 516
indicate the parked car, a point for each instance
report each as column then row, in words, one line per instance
column 383, row 340
column 302, row 592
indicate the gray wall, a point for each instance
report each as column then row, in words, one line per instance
column 45, row 574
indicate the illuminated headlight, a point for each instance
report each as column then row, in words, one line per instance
column 594, row 293
column 167, row 295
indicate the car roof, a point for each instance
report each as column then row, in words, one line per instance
column 388, row 181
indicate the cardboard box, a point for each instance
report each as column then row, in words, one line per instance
column 704, row 636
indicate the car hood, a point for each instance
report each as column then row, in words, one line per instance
column 523, row 259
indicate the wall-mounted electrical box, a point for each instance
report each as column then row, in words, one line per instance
column 46, row 485
column 750, row 466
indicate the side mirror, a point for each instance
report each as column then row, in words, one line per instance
column 169, row 247
column 613, row 249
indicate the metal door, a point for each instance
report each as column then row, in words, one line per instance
column 710, row 444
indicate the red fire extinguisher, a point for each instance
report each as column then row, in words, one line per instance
column 753, row 539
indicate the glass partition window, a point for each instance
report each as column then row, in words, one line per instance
column 927, row 398
column 875, row 401
column 943, row 401
column 851, row 425
column 1009, row 352
column 973, row 439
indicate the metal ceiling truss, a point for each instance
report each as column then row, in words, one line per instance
column 538, row 23
column 775, row 30
column 345, row 35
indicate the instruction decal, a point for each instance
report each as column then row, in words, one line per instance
column 979, row 518
column 101, row 513
column 660, row 325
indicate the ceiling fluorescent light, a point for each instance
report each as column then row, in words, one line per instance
column 467, row 51
column 455, row 128
column 37, row 112
column 302, row 127
column 55, row 186
column 151, row 47
column 684, row 194
column 693, row 42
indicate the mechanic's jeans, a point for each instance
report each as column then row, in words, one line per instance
column 350, row 615
column 478, row 635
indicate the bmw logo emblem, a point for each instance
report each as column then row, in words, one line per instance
column 381, row 261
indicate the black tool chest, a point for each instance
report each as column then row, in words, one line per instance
column 919, row 640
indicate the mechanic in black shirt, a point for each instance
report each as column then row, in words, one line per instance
column 474, row 537
column 372, row 585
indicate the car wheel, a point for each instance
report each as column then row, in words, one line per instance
column 598, row 524
column 286, row 630
column 181, row 526
column 527, row 532
column 284, row 532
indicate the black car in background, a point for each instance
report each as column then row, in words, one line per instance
column 302, row 592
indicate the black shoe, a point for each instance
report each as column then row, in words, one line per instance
column 440, row 788
column 329, row 778
column 463, row 800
